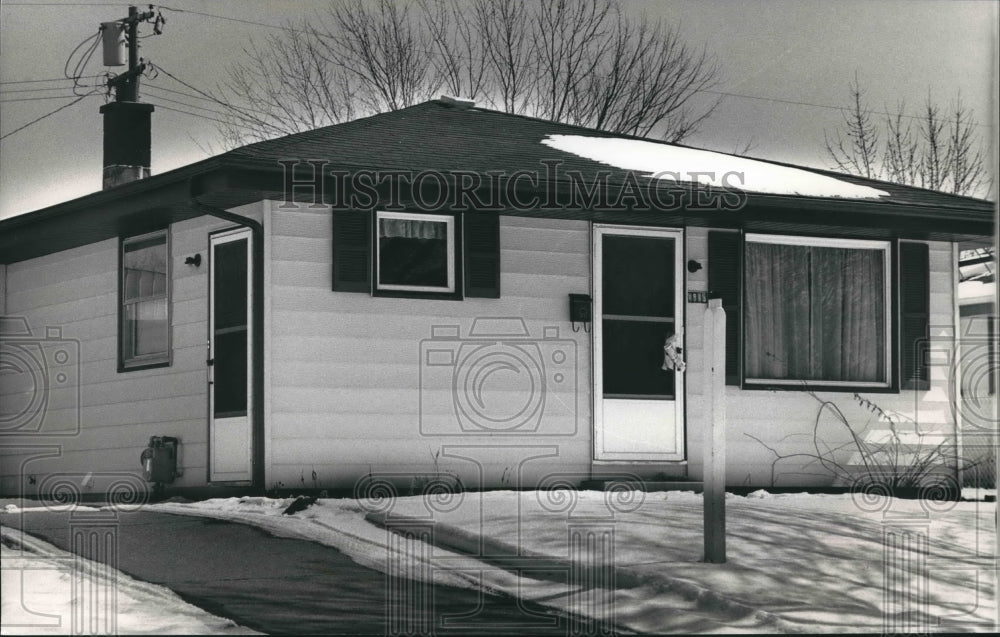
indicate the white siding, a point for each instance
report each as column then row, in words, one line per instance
column 347, row 387
column 102, row 419
column 785, row 419
column 348, row 393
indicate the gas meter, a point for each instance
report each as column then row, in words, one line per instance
column 159, row 459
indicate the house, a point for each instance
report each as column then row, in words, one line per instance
column 447, row 290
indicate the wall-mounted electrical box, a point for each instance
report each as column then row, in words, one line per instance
column 579, row 308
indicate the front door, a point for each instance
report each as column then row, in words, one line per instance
column 229, row 371
column 638, row 405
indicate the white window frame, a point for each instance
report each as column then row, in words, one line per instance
column 834, row 242
column 450, row 252
column 158, row 358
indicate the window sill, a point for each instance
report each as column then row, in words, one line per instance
column 134, row 367
column 406, row 294
column 596, row 462
column 806, row 386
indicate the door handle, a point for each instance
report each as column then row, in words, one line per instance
column 673, row 355
column 210, row 362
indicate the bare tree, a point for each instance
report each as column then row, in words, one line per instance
column 965, row 156
column 936, row 149
column 858, row 153
column 503, row 25
column 576, row 61
column 379, row 45
column 901, row 159
column 933, row 161
column 293, row 89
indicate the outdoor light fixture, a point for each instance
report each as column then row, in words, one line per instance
column 195, row 260
column 693, row 266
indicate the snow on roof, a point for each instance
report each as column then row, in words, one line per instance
column 677, row 163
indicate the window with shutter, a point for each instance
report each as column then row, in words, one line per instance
column 352, row 251
column 482, row 255
column 914, row 314
column 417, row 255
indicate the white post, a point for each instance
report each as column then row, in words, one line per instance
column 714, row 442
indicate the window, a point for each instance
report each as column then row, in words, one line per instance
column 144, row 338
column 415, row 253
column 816, row 310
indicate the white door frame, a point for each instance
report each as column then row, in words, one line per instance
column 222, row 430
column 678, row 453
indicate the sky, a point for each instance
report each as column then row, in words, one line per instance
column 786, row 65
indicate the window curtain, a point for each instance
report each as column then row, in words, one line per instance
column 145, row 272
column 815, row 313
column 145, row 327
column 412, row 229
column 145, row 298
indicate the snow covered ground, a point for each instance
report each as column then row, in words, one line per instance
column 37, row 596
column 796, row 562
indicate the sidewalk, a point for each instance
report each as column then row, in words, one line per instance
column 278, row 585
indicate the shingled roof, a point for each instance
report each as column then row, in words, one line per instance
column 444, row 136
column 436, row 135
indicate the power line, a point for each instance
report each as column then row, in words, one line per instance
column 177, row 110
column 217, row 100
column 537, row 67
column 201, row 108
column 150, row 85
column 34, row 99
column 157, row 87
column 33, row 90
column 35, row 121
column 52, row 79
column 223, row 17
column 798, row 103
column 66, row 4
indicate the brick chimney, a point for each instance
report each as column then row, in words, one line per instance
column 127, row 142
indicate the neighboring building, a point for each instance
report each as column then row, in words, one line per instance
column 384, row 330
column 979, row 366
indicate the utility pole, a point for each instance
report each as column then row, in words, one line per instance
column 126, row 85
column 127, row 121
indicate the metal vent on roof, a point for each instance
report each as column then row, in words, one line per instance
column 458, row 102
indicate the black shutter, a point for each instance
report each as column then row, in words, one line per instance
column 724, row 274
column 914, row 314
column 352, row 245
column 482, row 254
